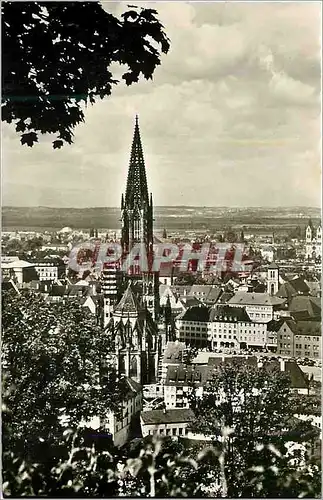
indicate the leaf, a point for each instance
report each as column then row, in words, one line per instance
column 58, row 144
column 74, row 69
column 29, row 139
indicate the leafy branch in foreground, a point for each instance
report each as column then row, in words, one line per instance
column 58, row 55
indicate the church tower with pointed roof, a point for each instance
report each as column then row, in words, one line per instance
column 136, row 204
column 137, row 220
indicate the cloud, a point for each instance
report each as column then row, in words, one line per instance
column 232, row 117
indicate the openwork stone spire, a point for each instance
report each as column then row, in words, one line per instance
column 137, row 190
column 136, row 206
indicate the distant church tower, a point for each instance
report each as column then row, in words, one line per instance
column 272, row 279
column 137, row 219
column 313, row 243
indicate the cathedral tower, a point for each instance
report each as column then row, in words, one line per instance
column 136, row 204
column 137, row 220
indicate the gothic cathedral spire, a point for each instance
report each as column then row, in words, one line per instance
column 136, row 205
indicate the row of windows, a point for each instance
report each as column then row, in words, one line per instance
column 194, row 328
column 179, row 431
column 191, row 334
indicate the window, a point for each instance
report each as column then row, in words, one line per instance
column 180, row 431
column 174, row 432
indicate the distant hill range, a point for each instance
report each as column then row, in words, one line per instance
column 171, row 218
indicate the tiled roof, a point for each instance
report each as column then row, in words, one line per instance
column 133, row 385
column 225, row 297
column 18, row 264
column 214, row 295
column 190, row 301
column 297, row 376
column 293, row 288
column 228, row 314
column 187, row 375
column 199, row 313
column 201, row 290
column 273, row 265
column 309, row 328
column 274, row 325
column 179, row 415
column 311, row 305
column 259, row 299
column 314, row 286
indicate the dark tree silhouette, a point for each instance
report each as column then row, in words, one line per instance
column 57, row 56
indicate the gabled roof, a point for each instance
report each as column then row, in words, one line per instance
column 225, row 297
column 306, row 304
column 201, row 290
column 273, row 265
column 292, row 288
column 228, row 314
column 297, row 376
column 188, row 302
column 10, row 286
column 196, row 313
column 309, row 328
column 186, row 375
column 133, row 385
column 259, row 299
column 18, row 263
column 128, row 304
column 179, row 415
column 274, row 325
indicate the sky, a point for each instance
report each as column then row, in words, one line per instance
column 231, row 118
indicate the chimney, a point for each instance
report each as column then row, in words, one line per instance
column 282, row 365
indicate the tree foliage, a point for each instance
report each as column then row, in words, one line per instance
column 54, row 366
column 55, row 372
column 256, row 409
column 58, row 55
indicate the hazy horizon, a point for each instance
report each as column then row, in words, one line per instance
column 171, row 206
column 231, row 118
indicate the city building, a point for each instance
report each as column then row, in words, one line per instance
column 232, row 327
column 301, row 339
column 173, row 422
column 173, row 356
column 180, row 380
column 224, row 327
column 19, row 271
column 50, row 270
column 192, row 325
column 118, row 427
column 313, row 246
column 260, row 307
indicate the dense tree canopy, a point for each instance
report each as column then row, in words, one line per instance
column 58, row 55
column 250, row 411
column 55, row 371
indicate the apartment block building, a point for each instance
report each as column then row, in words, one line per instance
column 301, row 339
